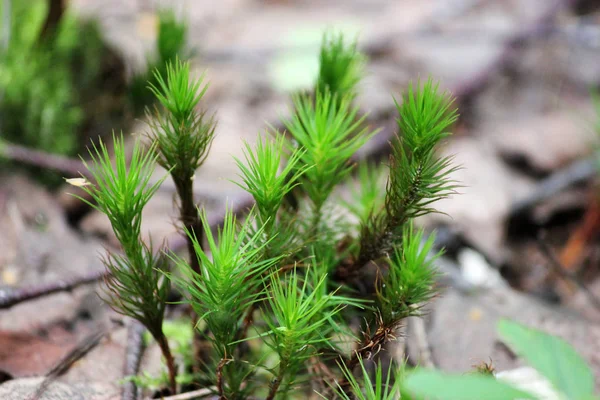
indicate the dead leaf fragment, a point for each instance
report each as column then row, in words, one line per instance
column 78, row 182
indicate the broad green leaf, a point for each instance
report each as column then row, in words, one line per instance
column 550, row 356
column 437, row 385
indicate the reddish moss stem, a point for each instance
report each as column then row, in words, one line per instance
column 163, row 343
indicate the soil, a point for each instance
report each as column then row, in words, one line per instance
column 521, row 73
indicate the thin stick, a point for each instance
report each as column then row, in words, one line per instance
column 423, row 347
column 135, row 349
column 66, row 362
column 69, row 166
column 189, row 395
column 8, row 300
column 565, row 274
column 577, row 172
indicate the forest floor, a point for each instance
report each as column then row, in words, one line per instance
column 522, row 235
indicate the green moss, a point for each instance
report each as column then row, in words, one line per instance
column 40, row 91
column 170, row 46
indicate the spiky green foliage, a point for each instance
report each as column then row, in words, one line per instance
column 410, row 280
column 232, row 271
column 329, row 136
column 183, row 136
column 136, row 288
column 122, row 191
column 265, row 179
column 304, row 320
column 341, row 66
column 136, row 285
column 417, row 177
column 322, row 263
column 385, row 386
column 296, row 319
column 425, row 114
column 229, row 283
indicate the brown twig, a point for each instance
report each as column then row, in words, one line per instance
column 68, row 166
column 195, row 394
column 573, row 252
column 566, row 274
column 135, row 349
column 423, row 346
column 14, row 297
column 17, row 296
column 573, row 174
column 66, row 362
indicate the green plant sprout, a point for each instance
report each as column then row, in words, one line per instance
column 341, row 67
column 183, row 136
column 381, row 388
column 225, row 288
column 410, row 280
column 268, row 183
column 295, row 321
column 136, row 285
column 417, row 178
column 329, row 134
column 276, row 293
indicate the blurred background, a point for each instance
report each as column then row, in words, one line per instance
column 524, row 74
